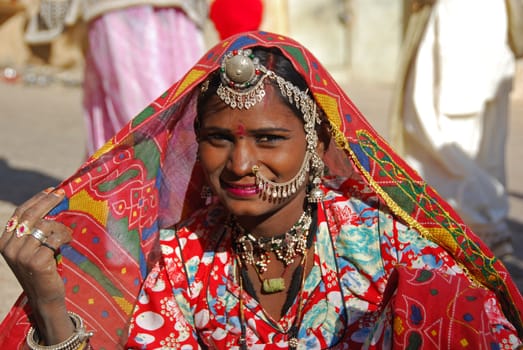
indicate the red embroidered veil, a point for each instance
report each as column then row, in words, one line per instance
column 145, row 178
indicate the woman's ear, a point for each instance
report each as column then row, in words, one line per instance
column 324, row 138
column 321, row 148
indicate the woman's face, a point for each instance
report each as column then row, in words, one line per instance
column 232, row 141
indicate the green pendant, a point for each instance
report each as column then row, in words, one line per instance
column 273, row 285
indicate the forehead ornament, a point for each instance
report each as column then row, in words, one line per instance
column 241, row 69
column 242, row 79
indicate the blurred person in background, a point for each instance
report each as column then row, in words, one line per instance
column 451, row 108
column 136, row 49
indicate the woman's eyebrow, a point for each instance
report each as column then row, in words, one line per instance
column 245, row 130
column 270, row 129
column 215, row 129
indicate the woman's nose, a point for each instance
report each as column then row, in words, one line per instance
column 242, row 158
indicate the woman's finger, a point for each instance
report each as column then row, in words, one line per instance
column 18, row 247
column 34, row 262
column 57, row 235
column 48, row 234
column 13, row 224
column 26, row 216
column 13, row 221
column 37, row 210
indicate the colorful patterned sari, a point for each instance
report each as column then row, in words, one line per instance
column 145, row 179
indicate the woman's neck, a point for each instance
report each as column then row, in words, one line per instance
column 274, row 223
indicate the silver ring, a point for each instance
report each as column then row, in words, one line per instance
column 39, row 235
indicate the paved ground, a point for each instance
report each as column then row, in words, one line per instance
column 41, row 142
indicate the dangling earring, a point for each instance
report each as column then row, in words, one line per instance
column 206, row 194
column 317, row 167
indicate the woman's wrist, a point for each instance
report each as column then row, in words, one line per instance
column 53, row 323
column 78, row 338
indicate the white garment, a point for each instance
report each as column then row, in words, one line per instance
column 195, row 9
column 54, row 15
column 456, row 111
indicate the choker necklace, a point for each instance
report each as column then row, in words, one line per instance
column 255, row 251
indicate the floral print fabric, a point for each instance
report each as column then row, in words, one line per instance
column 362, row 291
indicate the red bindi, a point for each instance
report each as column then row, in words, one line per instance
column 240, row 130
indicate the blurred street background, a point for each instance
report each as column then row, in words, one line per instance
column 42, row 132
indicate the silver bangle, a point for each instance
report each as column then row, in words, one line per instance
column 79, row 337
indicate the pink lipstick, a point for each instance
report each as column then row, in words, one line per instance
column 241, row 190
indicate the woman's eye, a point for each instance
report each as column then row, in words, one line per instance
column 268, row 138
column 217, row 137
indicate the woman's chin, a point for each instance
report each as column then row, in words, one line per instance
column 248, row 207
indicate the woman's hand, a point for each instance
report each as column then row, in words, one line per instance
column 29, row 244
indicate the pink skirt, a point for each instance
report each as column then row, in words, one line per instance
column 134, row 55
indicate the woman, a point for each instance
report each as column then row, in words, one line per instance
column 274, row 255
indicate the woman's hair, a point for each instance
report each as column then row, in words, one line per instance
column 274, row 60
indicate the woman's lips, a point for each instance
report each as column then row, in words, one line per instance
column 241, row 190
